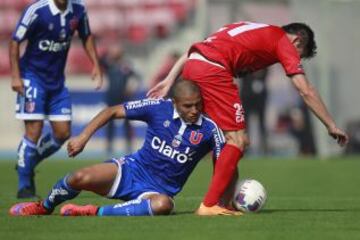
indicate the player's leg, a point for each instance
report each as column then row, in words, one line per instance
column 52, row 142
column 28, row 158
column 151, row 204
column 98, row 178
column 220, row 93
column 145, row 202
column 30, row 109
column 226, row 165
column 59, row 114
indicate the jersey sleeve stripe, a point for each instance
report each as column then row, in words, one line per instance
column 31, row 10
column 218, row 130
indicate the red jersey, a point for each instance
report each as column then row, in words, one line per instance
column 246, row 47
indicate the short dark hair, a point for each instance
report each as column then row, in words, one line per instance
column 306, row 37
column 183, row 87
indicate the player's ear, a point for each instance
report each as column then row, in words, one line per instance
column 295, row 39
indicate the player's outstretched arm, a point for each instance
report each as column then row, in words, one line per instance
column 162, row 88
column 17, row 84
column 77, row 144
column 97, row 76
column 317, row 106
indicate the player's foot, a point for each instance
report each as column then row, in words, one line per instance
column 28, row 209
column 26, row 192
column 77, row 210
column 215, row 210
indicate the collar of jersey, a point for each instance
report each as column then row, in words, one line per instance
column 177, row 115
column 54, row 9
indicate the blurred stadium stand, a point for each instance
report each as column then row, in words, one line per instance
column 134, row 23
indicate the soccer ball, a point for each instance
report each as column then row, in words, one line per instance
column 250, row 196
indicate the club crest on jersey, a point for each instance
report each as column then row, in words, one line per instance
column 51, row 26
column 176, row 141
column 30, row 107
column 74, row 23
column 195, row 137
column 166, row 123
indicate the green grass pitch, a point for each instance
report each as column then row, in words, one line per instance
column 307, row 199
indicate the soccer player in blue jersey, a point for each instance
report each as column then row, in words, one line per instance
column 178, row 136
column 38, row 78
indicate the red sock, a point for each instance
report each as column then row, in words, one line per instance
column 224, row 169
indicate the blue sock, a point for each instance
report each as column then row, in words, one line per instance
column 137, row 207
column 48, row 145
column 27, row 159
column 59, row 193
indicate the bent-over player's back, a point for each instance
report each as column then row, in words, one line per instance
column 246, row 47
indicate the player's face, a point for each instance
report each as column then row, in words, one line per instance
column 61, row 2
column 189, row 107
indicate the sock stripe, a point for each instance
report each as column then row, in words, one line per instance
column 100, row 211
column 149, row 207
column 29, row 143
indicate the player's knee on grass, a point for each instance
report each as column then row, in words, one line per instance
column 161, row 204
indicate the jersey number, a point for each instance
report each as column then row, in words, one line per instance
column 31, row 92
column 247, row 26
column 239, row 113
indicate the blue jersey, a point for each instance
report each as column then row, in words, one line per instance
column 49, row 32
column 172, row 148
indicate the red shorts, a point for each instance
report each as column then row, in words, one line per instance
column 220, row 95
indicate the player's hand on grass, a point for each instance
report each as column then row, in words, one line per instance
column 76, row 145
column 160, row 90
column 17, row 85
column 97, row 77
column 339, row 135
column 216, row 210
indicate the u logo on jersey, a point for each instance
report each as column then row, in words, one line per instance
column 195, row 137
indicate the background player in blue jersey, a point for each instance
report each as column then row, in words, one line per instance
column 178, row 136
column 38, row 78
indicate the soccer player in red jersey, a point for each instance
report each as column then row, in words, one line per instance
column 236, row 49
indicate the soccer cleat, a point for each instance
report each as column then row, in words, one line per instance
column 28, row 209
column 26, row 192
column 78, row 210
column 216, row 210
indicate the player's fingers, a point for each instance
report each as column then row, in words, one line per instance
column 19, row 90
column 70, row 149
column 73, row 153
column 343, row 140
column 150, row 93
